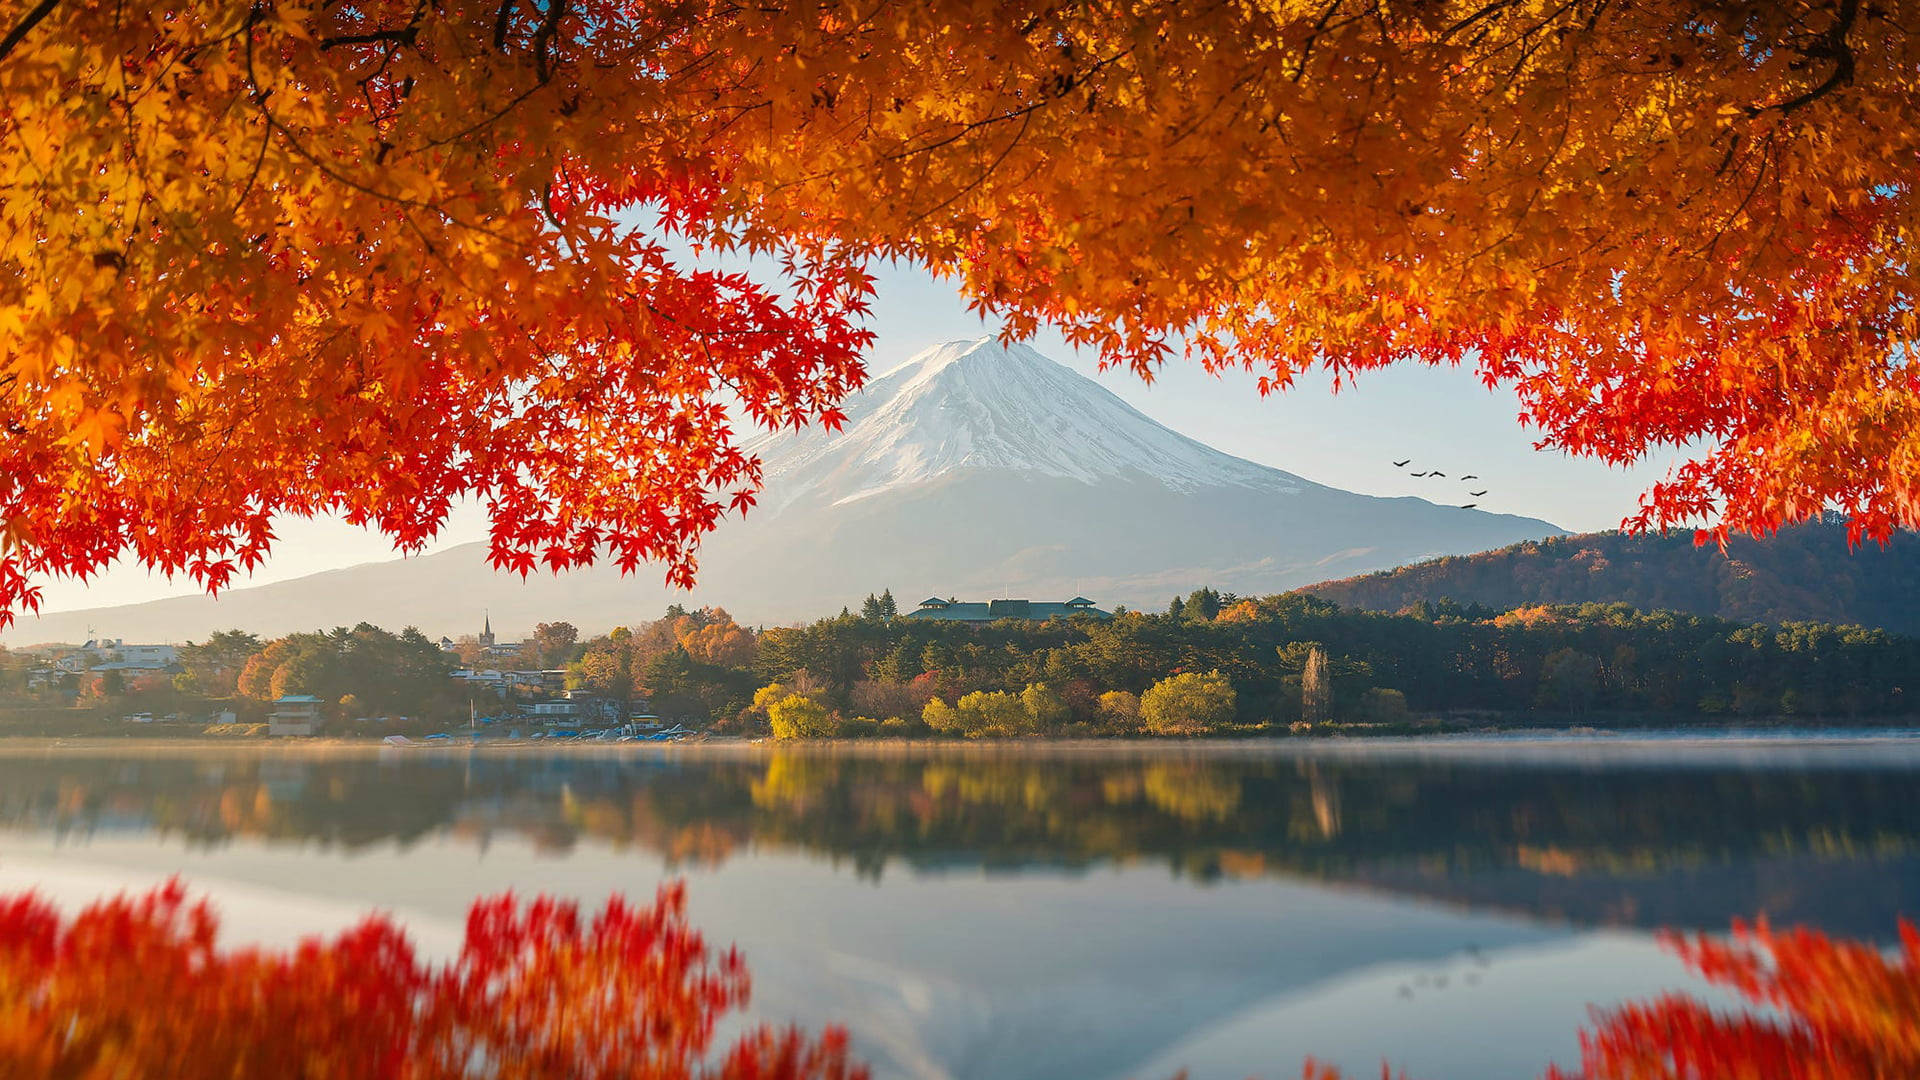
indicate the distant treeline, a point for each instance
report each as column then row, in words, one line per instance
column 1802, row 573
column 1210, row 663
column 1558, row 661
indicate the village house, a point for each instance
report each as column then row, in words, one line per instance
column 294, row 714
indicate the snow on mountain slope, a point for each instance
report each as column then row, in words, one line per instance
column 983, row 405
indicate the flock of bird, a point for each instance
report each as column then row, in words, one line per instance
column 1443, row 476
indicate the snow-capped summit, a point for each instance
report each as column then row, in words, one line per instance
column 980, row 404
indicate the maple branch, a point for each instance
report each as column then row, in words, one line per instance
column 1831, row 46
column 543, row 37
column 405, row 35
column 25, row 25
column 502, row 22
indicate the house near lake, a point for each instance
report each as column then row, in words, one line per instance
column 984, row 611
column 294, row 714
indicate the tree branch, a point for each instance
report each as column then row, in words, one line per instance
column 25, row 26
column 403, row 36
column 1832, row 45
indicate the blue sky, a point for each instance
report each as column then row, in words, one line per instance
column 1441, row 419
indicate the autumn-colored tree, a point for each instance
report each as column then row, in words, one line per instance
column 1045, row 708
column 797, row 716
column 373, row 258
column 402, row 672
column 139, row 987
column 1190, row 703
column 1120, row 709
column 553, row 642
column 606, row 668
column 1316, row 686
column 986, row 714
column 712, row 637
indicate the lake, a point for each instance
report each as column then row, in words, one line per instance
column 1453, row 907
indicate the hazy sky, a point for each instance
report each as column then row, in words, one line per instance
column 1441, row 419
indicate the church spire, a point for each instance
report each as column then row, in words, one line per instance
column 486, row 633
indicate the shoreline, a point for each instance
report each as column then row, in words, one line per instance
column 1651, row 746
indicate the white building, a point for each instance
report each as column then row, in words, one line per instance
column 112, row 654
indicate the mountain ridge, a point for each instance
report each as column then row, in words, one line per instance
column 973, row 468
column 1803, row 573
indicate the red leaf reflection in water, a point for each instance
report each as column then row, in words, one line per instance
column 138, row 987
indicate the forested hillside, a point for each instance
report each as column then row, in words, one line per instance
column 1804, row 573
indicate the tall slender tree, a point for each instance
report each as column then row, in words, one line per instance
column 1316, row 687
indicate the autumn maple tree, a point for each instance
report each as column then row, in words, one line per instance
column 372, row 258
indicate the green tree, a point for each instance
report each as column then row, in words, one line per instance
column 1383, row 706
column 888, row 608
column 1046, row 710
column 217, row 663
column 1568, row 678
column 1188, row 704
column 1203, row 605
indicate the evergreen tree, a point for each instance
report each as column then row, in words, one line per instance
column 1203, row 605
column 870, row 608
column 888, row 609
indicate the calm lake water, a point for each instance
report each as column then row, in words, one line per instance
column 1452, row 907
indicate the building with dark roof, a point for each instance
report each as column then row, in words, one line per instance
column 985, row 611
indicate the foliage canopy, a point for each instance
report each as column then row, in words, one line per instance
column 375, row 258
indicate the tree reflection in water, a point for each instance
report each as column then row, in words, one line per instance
column 137, row 987
column 1833, row 847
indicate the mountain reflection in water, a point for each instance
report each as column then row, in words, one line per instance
column 1647, row 843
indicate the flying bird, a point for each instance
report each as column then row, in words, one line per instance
column 1476, row 494
column 1419, row 474
column 1401, row 464
column 1438, row 473
column 1469, row 506
column 1470, row 476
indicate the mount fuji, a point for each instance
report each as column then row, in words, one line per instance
column 973, row 469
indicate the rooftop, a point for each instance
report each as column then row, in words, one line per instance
column 954, row 610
